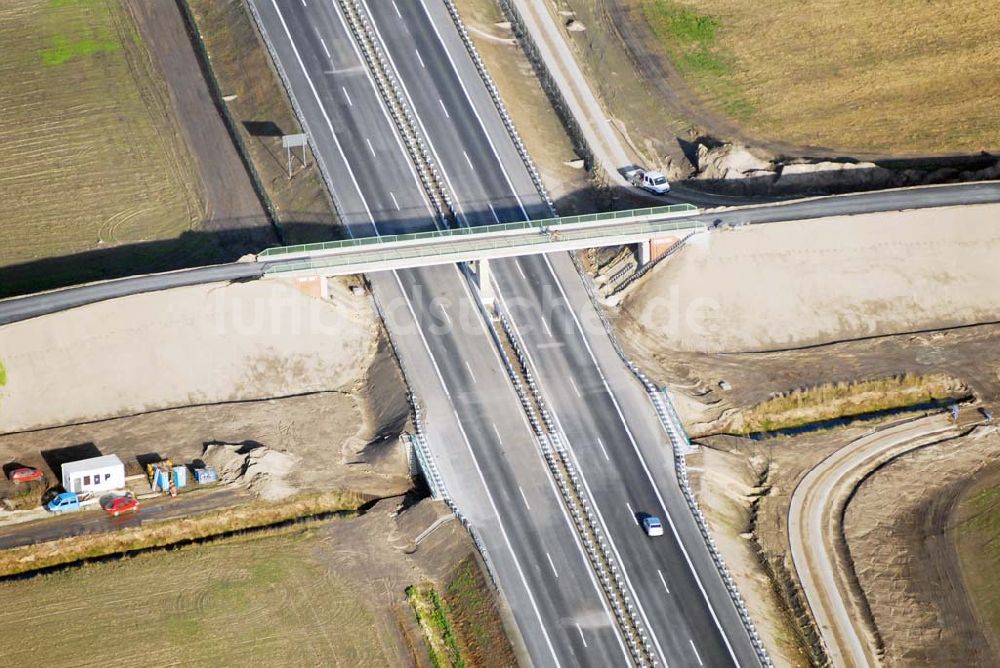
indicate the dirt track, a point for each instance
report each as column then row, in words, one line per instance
column 231, row 204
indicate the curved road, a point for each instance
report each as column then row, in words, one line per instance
column 814, row 528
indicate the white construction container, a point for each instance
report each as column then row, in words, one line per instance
column 99, row 474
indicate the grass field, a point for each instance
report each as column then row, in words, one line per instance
column 91, row 155
column 914, row 77
column 978, row 544
column 475, row 617
column 263, row 601
column 71, row 549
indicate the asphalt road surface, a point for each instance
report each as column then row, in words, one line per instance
column 93, row 520
column 481, row 440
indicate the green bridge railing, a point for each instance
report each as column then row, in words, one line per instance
column 595, row 218
column 471, row 245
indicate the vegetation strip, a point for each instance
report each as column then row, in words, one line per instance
column 807, row 406
column 225, row 522
column 442, row 645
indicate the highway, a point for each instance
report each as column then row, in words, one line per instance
column 481, row 440
column 490, row 184
column 480, row 436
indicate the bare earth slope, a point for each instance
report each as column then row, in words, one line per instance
column 197, row 345
column 824, row 280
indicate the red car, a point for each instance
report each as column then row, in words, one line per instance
column 121, row 504
column 26, row 474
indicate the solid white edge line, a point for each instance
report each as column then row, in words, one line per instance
column 563, row 510
column 385, row 111
column 427, row 137
column 597, row 510
column 482, row 478
column 329, row 123
column 642, row 460
column 555, row 492
column 468, row 98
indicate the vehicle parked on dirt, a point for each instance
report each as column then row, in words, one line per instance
column 118, row 505
column 652, row 525
column 64, row 502
column 25, row 474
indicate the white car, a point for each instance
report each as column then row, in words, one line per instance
column 654, row 182
column 652, row 525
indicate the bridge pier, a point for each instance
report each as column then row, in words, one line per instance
column 643, row 252
column 484, row 276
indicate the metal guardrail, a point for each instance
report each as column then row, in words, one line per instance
column 576, row 499
column 681, row 446
column 425, row 457
column 508, row 122
column 555, row 222
column 402, row 115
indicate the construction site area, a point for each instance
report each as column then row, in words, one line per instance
column 841, row 388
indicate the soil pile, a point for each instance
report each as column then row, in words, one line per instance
column 261, row 470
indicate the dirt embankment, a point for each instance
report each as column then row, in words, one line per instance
column 782, row 288
column 235, row 367
column 904, row 553
column 813, row 282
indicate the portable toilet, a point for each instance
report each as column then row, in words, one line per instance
column 180, row 476
column 159, row 476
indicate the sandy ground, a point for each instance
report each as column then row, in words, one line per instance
column 379, row 556
column 197, row 345
column 905, row 558
column 303, row 390
column 766, row 282
column 813, row 282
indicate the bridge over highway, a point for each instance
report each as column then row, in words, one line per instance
column 420, row 249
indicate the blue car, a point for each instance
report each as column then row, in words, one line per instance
column 64, row 502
